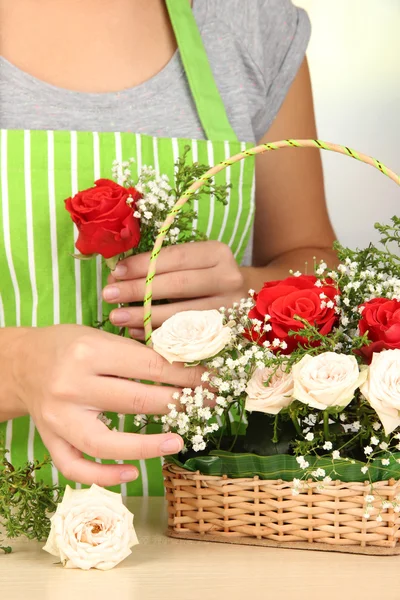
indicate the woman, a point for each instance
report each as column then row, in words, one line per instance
column 112, row 66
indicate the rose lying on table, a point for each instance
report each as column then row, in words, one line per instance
column 91, row 529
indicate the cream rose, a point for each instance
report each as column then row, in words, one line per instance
column 327, row 380
column 382, row 388
column 91, row 529
column 191, row 335
column 269, row 391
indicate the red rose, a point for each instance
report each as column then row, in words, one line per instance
column 104, row 219
column 381, row 319
column 294, row 296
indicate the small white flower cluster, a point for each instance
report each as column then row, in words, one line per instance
column 193, row 418
column 298, row 486
column 157, row 200
column 353, row 427
column 104, row 419
column 371, row 506
column 303, row 463
column 139, row 420
column 122, row 172
column 363, row 285
column 239, row 321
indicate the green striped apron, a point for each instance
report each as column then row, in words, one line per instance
column 40, row 283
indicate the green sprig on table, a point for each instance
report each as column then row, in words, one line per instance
column 25, row 503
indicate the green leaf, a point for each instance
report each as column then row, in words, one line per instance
column 112, row 262
column 285, row 467
column 83, row 256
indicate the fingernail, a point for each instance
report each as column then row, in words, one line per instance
column 171, row 446
column 137, row 334
column 120, row 271
column 119, row 317
column 129, row 475
column 111, row 293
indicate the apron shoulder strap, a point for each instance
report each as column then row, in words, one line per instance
column 208, row 101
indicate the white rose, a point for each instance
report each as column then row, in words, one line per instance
column 327, row 380
column 269, row 398
column 382, row 388
column 91, row 529
column 191, row 335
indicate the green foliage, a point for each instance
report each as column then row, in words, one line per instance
column 382, row 258
column 25, row 503
column 186, row 173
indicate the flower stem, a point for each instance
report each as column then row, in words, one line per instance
column 295, row 422
column 228, row 425
column 237, row 428
column 275, row 438
column 326, row 426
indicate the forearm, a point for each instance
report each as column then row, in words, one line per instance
column 296, row 260
column 11, row 342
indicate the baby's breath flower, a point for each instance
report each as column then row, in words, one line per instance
column 318, row 473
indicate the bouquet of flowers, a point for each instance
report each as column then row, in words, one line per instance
column 121, row 217
column 305, row 372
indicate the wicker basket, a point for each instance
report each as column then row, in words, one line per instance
column 266, row 512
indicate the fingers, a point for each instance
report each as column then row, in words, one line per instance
column 70, row 462
column 182, row 257
column 133, row 317
column 195, row 283
column 125, row 358
column 95, row 439
column 128, row 397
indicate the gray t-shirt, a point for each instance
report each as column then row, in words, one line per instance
column 255, row 48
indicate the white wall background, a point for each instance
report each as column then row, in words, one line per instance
column 354, row 58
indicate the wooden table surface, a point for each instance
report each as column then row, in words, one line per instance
column 162, row 568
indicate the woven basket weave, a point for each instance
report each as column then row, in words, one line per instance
column 265, row 512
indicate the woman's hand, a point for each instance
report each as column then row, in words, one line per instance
column 195, row 276
column 66, row 375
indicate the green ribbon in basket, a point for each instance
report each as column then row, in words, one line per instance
column 285, row 467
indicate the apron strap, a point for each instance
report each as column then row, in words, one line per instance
column 209, row 104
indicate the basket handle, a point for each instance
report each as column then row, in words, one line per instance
column 220, row 167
